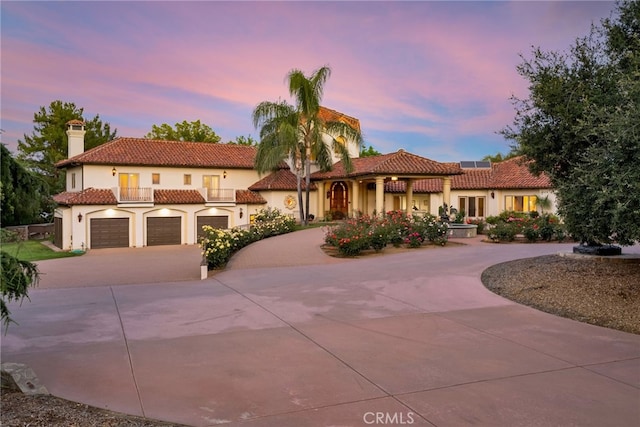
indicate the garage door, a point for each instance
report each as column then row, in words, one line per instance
column 109, row 233
column 214, row 221
column 164, row 231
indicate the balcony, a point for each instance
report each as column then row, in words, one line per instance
column 133, row 194
column 219, row 195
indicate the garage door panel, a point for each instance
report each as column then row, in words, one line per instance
column 109, row 233
column 215, row 221
column 164, row 231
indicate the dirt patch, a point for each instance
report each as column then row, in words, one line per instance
column 601, row 293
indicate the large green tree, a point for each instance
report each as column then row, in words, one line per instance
column 23, row 194
column 195, row 131
column 300, row 131
column 47, row 144
column 580, row 125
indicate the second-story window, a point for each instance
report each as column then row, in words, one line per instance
column 73, row 180
column 155, row 178
column 212, row 184
column 187, row 179
column 129, row 186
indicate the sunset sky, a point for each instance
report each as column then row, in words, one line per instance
column 433, row 78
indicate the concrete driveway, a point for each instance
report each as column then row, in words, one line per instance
column 289, row 337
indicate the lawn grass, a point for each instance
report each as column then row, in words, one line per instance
column 33, row 250
column 316, row 224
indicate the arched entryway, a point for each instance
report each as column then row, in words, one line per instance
column 339, row 200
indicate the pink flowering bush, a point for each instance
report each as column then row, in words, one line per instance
column 395, row 227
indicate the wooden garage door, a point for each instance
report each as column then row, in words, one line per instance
column 164, row 231
column 57, row 232
column 109, row 233
column 214, row 221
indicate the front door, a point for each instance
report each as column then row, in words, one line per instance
column 339, row 200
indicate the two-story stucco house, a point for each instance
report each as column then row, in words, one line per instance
column 134, row 192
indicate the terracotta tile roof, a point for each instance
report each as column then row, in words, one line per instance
column 398, row 163
column 508, row 174
column 89, row 196
column 514, row 173
column 329, row 115
column 152, row 152
column 249, row 197
column 177, row 197
column 75, row 122
column 281, row 180
column 94, row 196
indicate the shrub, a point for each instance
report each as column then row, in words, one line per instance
column 9, row 236
column 413, row 240
column 355, row 235
column 379, row 237
column 531, row 232
column 503, row 232
column 216, row 247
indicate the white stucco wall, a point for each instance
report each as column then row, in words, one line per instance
column 101, row 176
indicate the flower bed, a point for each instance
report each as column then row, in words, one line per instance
column 219, row 245
column 533, row 227
column 396, row 228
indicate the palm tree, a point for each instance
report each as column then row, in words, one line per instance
column 301, row 133
column 278, row 123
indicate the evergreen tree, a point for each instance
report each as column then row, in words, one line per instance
column 580, row 125
column 48, row 143
column 23, row 195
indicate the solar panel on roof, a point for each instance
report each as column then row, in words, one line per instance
column 472, row 164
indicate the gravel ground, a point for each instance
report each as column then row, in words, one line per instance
column 601, row 293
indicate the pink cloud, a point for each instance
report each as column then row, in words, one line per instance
column 418, row 67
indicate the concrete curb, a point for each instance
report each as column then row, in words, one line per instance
column 25, row 378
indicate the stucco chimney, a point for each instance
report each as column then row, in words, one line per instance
column 75, row 132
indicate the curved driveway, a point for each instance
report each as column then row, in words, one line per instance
column 287, row 336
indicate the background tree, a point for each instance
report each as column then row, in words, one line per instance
column 244, row 140
column 23, row 194
column 47, row 145
column 184, row 131
column 369, row 151
column 311, row 129
column 15, row 278
column 499, row 157
column 580, row 126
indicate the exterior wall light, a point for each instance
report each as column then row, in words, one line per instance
column 113, row 171
column 224, row 174
column 79, row 217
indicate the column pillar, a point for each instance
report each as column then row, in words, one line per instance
column 321, row 198
column 409, row 195
column 355, row 197
column 380, row 196
column 446, row 191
